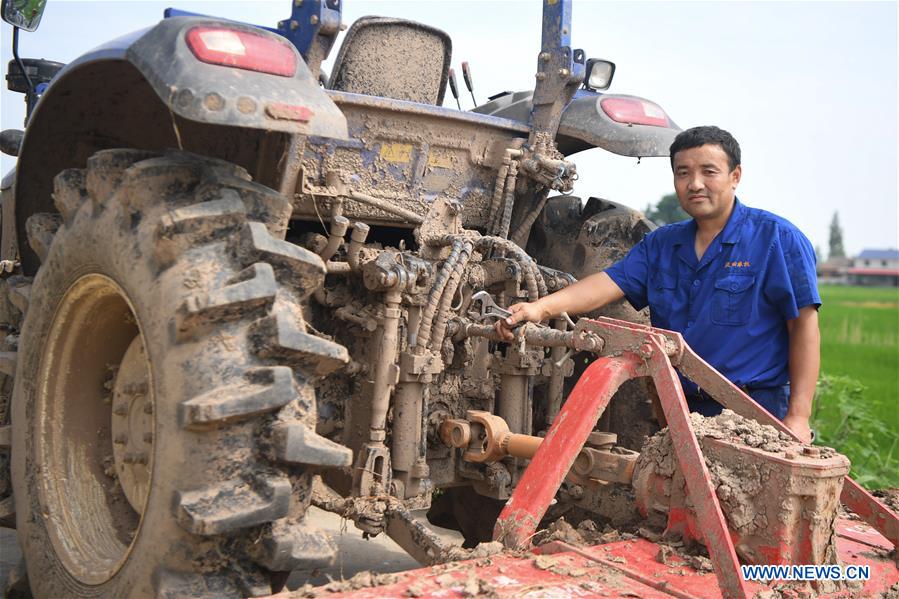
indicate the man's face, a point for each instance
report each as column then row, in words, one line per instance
column 704, row 183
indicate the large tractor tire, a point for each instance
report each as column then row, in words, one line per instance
column 583, row 239
column 11, row 288
column 164, row 440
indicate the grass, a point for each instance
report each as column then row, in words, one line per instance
column 857, row 405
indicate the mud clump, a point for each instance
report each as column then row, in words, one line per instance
column 362, row 580
column 586, row 534
column 891, row 593
column 729, row 425
column 753, row 468
column 890, row 498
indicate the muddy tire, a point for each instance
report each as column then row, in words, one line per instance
column 13, row 294
column 165, row 416
column 582, row 240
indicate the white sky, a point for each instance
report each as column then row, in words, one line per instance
column 808, row 88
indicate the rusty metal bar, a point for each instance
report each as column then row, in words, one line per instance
column 519, row 519
column 535, row 335
column 696, row 474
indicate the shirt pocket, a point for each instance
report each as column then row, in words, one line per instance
column 732, row 299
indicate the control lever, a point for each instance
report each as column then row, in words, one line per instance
column 453, row 87
column 466, row 75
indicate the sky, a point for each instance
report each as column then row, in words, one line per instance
column 809, row 89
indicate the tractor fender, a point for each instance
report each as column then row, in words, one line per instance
column 586, row 125
column 147, row 90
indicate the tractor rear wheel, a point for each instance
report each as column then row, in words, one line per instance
column 164, row 440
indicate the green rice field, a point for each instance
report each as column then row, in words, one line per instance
column 857, row 406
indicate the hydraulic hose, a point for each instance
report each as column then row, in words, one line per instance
column 508, row 201
column 520, row 237
column 446, row 299
column 357, row 240
column 427, row 316
column 534, row 283
column 339, row 226
column 497, row 201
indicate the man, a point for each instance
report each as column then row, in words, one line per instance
column 737, row 282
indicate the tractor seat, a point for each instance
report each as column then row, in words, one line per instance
column 393, row 58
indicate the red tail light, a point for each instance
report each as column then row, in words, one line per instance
column 635, row 111
column 242, row 49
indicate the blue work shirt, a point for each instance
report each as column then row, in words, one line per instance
column 732, row 305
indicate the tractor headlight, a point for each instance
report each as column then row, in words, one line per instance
column 599, row 74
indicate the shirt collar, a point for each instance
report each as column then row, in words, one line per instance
column 733, row 228
column 685, row 233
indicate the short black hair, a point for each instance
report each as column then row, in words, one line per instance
column 707, row 134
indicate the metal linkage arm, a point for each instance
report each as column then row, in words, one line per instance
column 696, row 474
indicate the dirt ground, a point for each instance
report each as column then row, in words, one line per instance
column 379, row 554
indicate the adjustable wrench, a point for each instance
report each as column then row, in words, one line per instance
column 489, row 307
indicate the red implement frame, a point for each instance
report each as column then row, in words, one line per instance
column 629, row 351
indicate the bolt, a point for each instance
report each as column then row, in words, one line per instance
column 136, row 458
column 294, row 25
column 121, row 409
column 297, row 3
column 120, row 439
column 564, row 72
column 544, row 56
column 313, row 19
column 540, row 76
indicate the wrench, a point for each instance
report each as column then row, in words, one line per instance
column 489, row 307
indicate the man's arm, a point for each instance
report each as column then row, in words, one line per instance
column 586, row 295
column 805, row 361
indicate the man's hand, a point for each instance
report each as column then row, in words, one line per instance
column 523, row 312
column 588, row 294
column 799, row 425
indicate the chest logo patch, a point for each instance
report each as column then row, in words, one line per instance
column 737, row 264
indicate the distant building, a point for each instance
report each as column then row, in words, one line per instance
column 834, row 271
column 875, row 267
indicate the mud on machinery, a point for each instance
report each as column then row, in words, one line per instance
column 201, row 342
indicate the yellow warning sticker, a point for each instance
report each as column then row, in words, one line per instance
column 395, row 152
column 440, row 160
